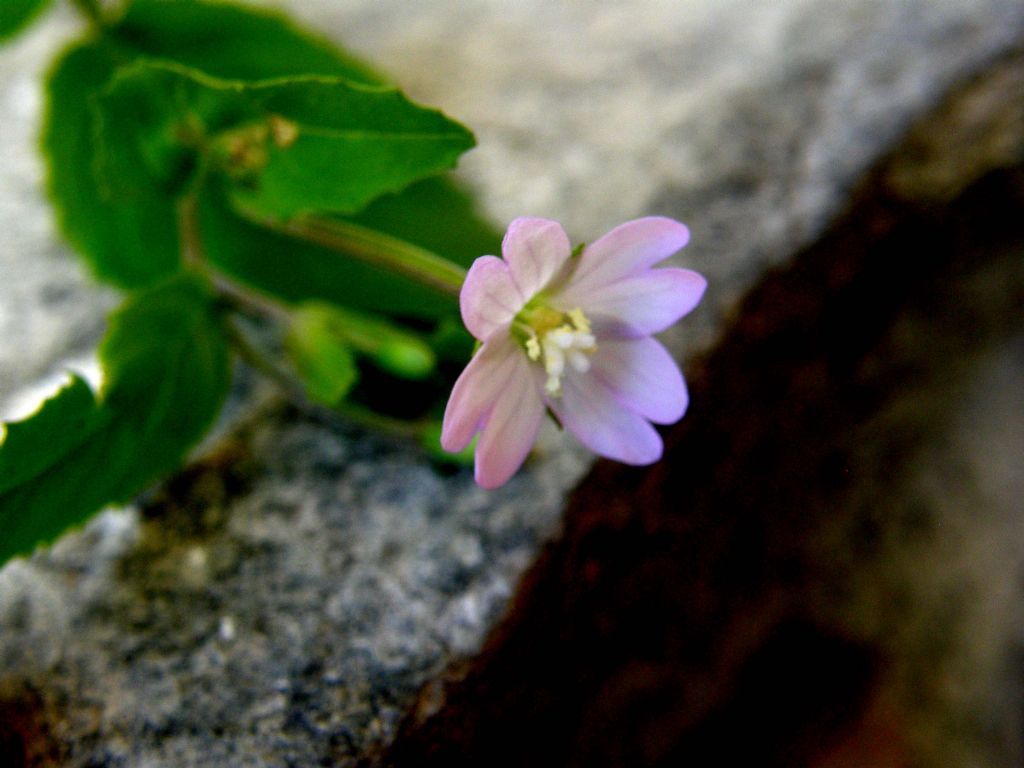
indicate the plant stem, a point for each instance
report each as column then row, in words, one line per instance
column 369, row 246
column 389, row 425
column 188, row 233
column 252, row 354
column 255, row 304
column 248, row 302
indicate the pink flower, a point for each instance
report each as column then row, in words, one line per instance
column 571, row 333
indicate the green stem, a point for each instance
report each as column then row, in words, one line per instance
column 258, row 359
column 369, row 246
column 257, row 305
column 389, row 425
column 248, row 302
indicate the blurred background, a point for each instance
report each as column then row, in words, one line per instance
column 826, row 569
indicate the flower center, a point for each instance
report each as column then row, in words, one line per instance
column 554, row 339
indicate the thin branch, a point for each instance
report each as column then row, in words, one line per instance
column 249, row 302
column 258, row 305
column 369, row 246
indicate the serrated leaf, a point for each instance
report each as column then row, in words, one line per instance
column 16, row 14
column 166, row 369
column 64, row 422
column 234, row 42
column 304, row 144
column 346, row 145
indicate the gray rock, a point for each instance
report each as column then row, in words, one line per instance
column 281, row 603
column 49, row 308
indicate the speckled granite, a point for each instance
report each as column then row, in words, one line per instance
column 330, row 573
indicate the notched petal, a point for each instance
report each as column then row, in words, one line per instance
column 535, row 249
column 489, row 298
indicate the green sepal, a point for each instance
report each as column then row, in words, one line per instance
column 324, row 361
column 391, row 348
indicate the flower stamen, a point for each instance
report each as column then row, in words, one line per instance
column 554, row 339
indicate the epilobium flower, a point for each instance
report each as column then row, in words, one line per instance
column 571, row 333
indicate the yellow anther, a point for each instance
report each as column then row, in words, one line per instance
column 579, row 320
column 533, row 348
column 556, row 339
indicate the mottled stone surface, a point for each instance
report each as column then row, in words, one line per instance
column 281, row 603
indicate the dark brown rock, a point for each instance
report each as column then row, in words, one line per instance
column 751, row 600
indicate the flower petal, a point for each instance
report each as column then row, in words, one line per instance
column 629, row 248
column 535, row 249
column 589, row 410
column 643, row 377
column 476, row 392
column 489, row 298
column 643, row 304
column 511, row 427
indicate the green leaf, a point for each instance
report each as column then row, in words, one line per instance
column 130, row 243
column 234, row 42
column 133, row 242
column 17, row 14
column 148, row 132
column 307, row 144
column 61, row 425
column 346, row 146
column 166, row 369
